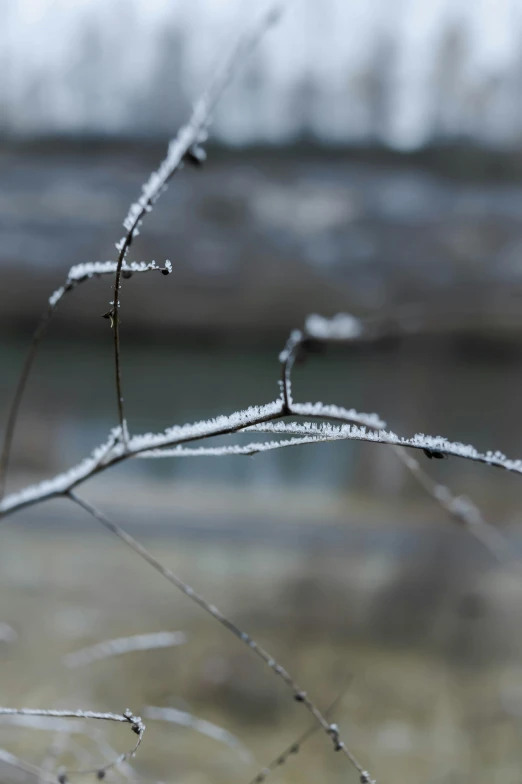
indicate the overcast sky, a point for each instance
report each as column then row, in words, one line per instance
column 399, row 71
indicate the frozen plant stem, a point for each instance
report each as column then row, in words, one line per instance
column 18, row 394
column 185, row 146
column 294, row 747
column 461, row 509
column 267, row 419
column 77, row 275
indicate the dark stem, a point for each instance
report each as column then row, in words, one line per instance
column 117, row 370
column 69, row 285
column 295, row 747
column 300, row 696
column 18, row 395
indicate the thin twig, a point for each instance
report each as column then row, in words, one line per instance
column 331, row 730
column 460, row 508
column 105, row 456
column 76, row 275
column 185, row 145
column 296, row 746
column 18, row 394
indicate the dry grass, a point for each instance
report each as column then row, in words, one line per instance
column 418, row 716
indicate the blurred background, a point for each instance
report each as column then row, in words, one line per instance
column 367, row 158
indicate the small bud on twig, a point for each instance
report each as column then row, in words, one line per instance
column 434, row 454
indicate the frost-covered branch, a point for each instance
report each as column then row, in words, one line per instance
column 113, row 452
column 431, row 444
column 248, row 450
column 77, row 274
column 269, row 419
column 255, row 419
column 345, row 327
column 185, row 146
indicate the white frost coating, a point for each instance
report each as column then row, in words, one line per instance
column 157, row 181
column 324, row 431
column 295, row 337
column 234, row 449
column 182, row 433
column 195, row 131
column 65, row 714
column 121, row 645
column 56, row 296
column 418, row 441
column 340, row 327
column 91, row 268
column 254, row 419
column 45, row 723
column 63, row 482
column 199, row 725
column 338, row 412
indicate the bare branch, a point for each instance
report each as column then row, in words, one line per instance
column 113, row 452
column 331, row 730
column 256, row 419
column 295, row 747
column 267, row 419
column 249, row 450
column 185, row 144
column 19, row 391
column 437, row 444
column 460, row 508
column 76, row 275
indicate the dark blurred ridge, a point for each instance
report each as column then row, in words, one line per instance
column 260, row 237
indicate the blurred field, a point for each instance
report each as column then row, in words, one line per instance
column 433, row 670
